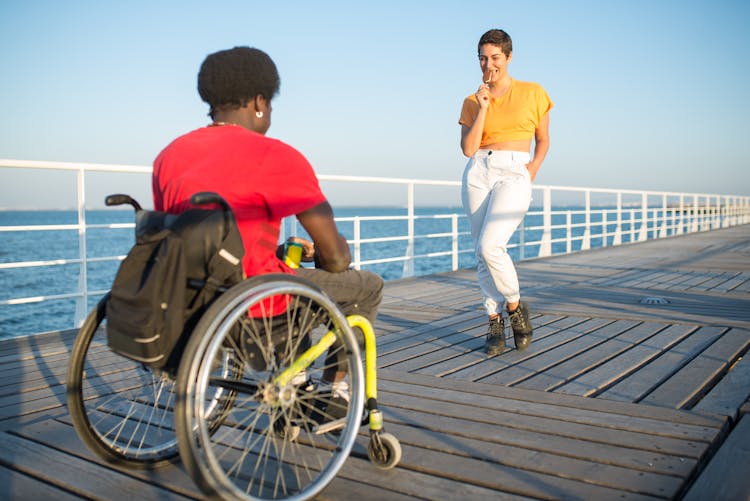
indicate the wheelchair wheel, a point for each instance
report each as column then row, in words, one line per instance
column 122, row 410
column 287, row 434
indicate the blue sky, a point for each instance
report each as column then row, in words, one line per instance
column 649, row 94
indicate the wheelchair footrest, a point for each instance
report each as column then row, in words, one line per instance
column 330, row 426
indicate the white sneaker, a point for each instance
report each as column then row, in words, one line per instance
column 300, row 378
column 340, row 389
column 337, row 389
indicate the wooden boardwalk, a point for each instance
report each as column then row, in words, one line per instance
column 635, row 387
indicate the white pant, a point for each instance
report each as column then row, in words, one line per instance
column 496, row 194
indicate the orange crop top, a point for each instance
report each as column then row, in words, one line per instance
column 511, row 117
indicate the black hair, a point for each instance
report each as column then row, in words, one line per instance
column 498, row 38
column 230, row 78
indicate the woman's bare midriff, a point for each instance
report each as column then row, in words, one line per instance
column 521, row 145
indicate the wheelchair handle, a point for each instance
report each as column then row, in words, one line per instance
column 120, row 199
column 208, row 197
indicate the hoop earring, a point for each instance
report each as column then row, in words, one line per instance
column 259, row 114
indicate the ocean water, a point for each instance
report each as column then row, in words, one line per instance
column 29, row 318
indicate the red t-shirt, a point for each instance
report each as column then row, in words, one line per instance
column 262, row 179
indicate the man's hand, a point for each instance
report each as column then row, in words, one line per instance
column 308, row 248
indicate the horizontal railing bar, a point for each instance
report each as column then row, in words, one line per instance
column 57, row 262
column 32, row 164
column 40, row 227
column 35, row 264
column 61, row 227
column 635, row 215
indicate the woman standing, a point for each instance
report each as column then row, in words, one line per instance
column 498, row 123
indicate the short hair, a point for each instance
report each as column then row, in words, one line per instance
column 498, row 38
column 229, row 79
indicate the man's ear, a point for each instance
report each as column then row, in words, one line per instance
column 260, row 103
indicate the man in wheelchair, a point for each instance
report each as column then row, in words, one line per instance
column 263, row 180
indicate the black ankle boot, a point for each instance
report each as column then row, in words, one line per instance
column 521, row 325
column 495, row 344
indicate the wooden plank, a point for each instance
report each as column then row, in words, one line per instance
column 647, row 279
column 517, row 374
column 478, row 389
column 60, row 435
column 360, row 479
column 63, row 438
column 75, row 475
column 680, row 281
column 727, row 475
column 595, row 356
column 447, row 349
column 599, row 379
column 735, row 283
column 489, row 471
column 477, row 364
column 466, row 353
column 636, row 386
column 627, row 419
column 17, row 485
column 695, row 280
column 745, row 409
column 529, row 429
column 419, row 336
column 458, row 466
column 42, row 399
column 730, row 393
column 688, row 384
column 493, row 474
column 716, row 280
column 34, row 374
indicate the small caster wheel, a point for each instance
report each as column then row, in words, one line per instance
column 384, row 451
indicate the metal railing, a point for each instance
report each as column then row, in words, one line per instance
column 593, row 218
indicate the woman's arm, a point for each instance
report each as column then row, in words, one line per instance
column 541, row 146
column 471, row 136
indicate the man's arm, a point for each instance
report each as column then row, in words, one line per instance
column 331, row 250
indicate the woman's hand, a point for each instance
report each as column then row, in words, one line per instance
column 533, row 169
column 483, row 96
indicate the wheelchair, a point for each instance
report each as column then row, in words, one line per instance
column 245, row 408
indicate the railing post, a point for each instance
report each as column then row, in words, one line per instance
column 545, row 246
column 617, row 238
column 709, row 215
column 681, row 216
column 409, row 263
column 663, row 230
column 604, row 227
column 568, row 233
column 357, row 243
column 632, row 225
column 643, row 235
column 728, row 210
column 82, row 300
column 454, row 242
column 694, row 219
column 586, row 241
